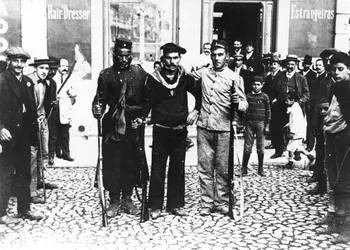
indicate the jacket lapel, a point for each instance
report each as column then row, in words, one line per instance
column 30, row 90
column 13, row 83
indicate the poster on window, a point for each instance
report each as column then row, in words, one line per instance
column 10, row 24
column 69, row 32
column 311, row 28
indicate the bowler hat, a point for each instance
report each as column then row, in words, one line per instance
column 56, row 63
column 122, row 43
column 41, row 60
column 307, row 59
column 219, row 44
column 17, row 52
column 172, row 47
column 291, row 58
column 266, row 57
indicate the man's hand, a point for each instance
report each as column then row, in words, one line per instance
column 266, row 130
column 97, row 111
column 192, row 117
column 136, row 123
column 234, row 97
column 5, row 135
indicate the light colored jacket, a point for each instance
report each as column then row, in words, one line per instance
column 66, row 98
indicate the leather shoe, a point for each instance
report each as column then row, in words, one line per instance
column 7, row 220
column 113, row 209
column 289, row 165
column 51, row 162
column 47, row 186
column 177, row 211
column 29, row 215
column 318, row 190
column 67, row 158
column 314, row 178
column 59, row 155
column 37, row 200
column 270, row 146
column 155, row 213
column 262, row 173
column 276, row 155
column 205, row 211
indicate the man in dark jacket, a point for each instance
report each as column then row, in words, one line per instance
column 18, row 131
column 166, row 91
column 121, row 88
column 291, row 87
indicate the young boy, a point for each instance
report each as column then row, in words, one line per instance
column 258, row 117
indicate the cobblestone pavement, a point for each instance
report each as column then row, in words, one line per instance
column 278, row 215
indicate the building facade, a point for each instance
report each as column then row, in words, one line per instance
column 85, row 30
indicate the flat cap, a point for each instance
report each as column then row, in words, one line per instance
column 219, row 44
column 258, row 79
column 17, row 52
column 238, row 57
column 122, row 43
column 291, row 58
column 275, row 57
column 172, row 47
column 41, row 60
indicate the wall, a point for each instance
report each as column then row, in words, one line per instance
column 342, row 28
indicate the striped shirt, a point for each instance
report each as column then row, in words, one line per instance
column 259, row 107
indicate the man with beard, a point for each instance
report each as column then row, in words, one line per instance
column 18, row 132
column 62, row 117
column 290, row 87
column 166, row 91
column 222, row 93
column 45, row 94
column 121, row 88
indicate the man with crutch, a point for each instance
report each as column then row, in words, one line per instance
column 45, row 94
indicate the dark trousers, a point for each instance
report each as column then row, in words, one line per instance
column 310, row 138
column 320, row 154
column 168, row 143
column 58, row 135
column 15, row 161
column 254, row 128
column 120, row 165
column 279, row 119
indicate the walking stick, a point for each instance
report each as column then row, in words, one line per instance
column 41, row 164
column 241, row 188
column 98, row 174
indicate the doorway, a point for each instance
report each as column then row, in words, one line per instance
column 242, row 21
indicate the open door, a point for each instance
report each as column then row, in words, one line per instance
column 242, row 21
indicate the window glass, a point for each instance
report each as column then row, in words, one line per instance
column 147, row 23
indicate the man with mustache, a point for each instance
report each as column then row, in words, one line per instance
column 45, row 94
column 120, row 88
column 62, row 115
column 18, row 132
column 222, row 94
column 290, row 87
column 166, row 91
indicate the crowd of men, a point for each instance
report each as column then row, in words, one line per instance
column 296, row 105
column 35, row 115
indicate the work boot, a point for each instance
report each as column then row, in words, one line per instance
column 129, row 207
column 113, row 209
column 245, row 161
column 321, row 187
column 260, row 165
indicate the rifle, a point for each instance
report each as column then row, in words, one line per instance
column 98, row 174
column 143, row 176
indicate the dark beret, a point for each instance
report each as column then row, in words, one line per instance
column 328, row 52
column 17, row 52
column 172, row 47
column 122, row 43
column 219, row 44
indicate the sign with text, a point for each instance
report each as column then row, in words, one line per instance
column 69, row 32
column 311, row 27
column 10, row 24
